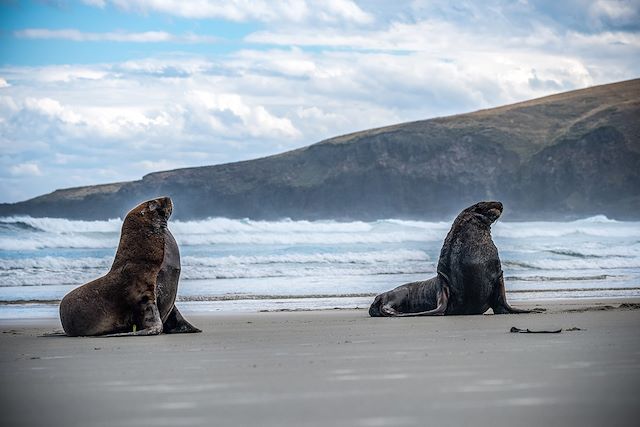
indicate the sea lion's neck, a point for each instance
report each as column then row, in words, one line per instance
column 141, row 242
column 479, row 222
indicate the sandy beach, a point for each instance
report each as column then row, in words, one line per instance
column 337, row 368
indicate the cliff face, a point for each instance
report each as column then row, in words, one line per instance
column 593, row 172
column 563, row 156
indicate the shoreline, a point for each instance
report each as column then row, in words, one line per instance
column 48, row 309
column 241, row 297
column 334, row 367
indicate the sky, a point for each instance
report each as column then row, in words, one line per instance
column 98, row 91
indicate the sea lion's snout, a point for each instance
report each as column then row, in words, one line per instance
column 494, row 211
column 489, row 211
column 494, row 214
column 166, row 206
column 162, row 206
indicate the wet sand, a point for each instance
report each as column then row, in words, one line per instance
column 333, row 368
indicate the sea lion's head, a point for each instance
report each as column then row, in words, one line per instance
column 487, row 212
column 154, row 212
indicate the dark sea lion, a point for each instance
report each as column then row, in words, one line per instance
column 137, row 296
column 469, row 279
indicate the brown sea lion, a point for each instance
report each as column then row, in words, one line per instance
column 137, row 296
column 469, row 276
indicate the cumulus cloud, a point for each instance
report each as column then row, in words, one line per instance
column 231, row 115
column 619, row 12
column 117, row 36
column 151, row 117
column 25, row 169
column 179, row 66
column 51, row 108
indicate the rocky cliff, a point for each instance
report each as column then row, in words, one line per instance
column 563, row 156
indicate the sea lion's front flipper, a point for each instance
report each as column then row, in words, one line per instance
column 151, row 323
column 176, row 324
column 499, row 305
column 440, row 310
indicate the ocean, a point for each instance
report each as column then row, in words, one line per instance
column 244, row 265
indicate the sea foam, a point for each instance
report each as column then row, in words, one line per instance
column 49, row 256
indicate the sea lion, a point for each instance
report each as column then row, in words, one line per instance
column 469, row 275
column 137, row 296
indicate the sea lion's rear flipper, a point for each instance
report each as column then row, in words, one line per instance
column 376, row 305
column 176, row 324
column 499, row 303
column 440, row 310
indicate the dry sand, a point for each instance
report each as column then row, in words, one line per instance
column 332, row 368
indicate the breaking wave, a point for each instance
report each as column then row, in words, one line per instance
column 574, row 264
column 61, row 225
column 26, row 233
column 51, row 270
column 597, row 226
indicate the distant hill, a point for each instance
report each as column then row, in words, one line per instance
column 563, row 156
